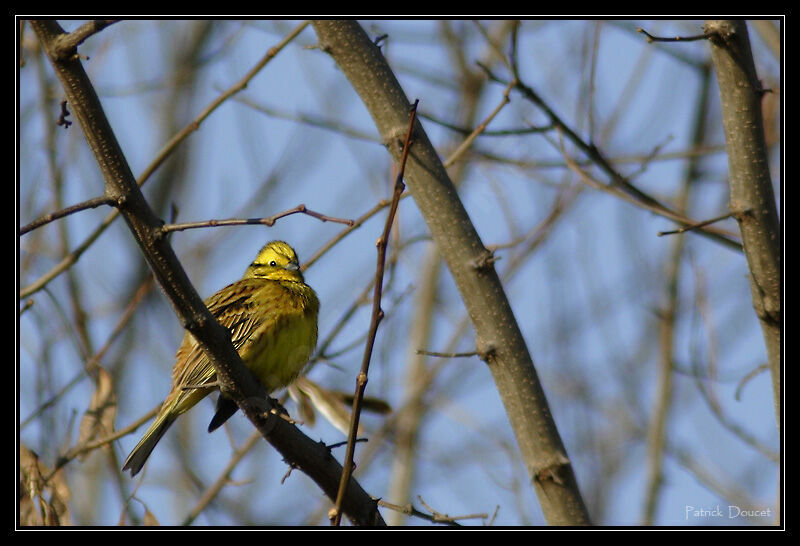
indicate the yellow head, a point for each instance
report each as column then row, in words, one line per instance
column 277, row 261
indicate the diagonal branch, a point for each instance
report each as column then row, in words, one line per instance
column 161, row 156
column 499, row 338
column 618, row 183
column 235, row 380
column 377, row 316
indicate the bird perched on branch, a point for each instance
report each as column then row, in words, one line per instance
column 272, row 317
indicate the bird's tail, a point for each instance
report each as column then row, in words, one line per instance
column 225, row 409
column 141, row 452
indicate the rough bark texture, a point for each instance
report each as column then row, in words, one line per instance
column 498, row 335
column 301, row 452
column 752, row 199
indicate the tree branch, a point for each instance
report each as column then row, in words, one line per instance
column 752, row 199
column 377, row 316
column 471, row 264
column 235, row 380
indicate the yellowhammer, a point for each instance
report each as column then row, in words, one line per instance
column 272, row 316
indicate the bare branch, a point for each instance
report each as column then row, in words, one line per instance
column 47, row 218
column 512, row 368
column 750, row 181
column 235, row 380
column 651, row 38
column 377, row 315
column 269, row 221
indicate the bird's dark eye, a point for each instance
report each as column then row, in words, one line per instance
column 273, row 263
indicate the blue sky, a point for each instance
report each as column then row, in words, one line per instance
column 585, row 300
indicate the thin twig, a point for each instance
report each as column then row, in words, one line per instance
column 162, row 156
column 488, row 132
column 619, row 184
column 270, row 221
column 618, row 160
column 82, row 448
column 646, row 160
column 438, row 516
column 377, row 315
column 651, row 38
column 697, row 225
column 379, row 206
column 481, row 126
column 705, row 387
column 77, row 207
column 312, row 120
column 592, row 84
column 757, row 370
column 447, row 355
column 93, row 361
column 435, row 517
column 223, row 479
column 656, row 208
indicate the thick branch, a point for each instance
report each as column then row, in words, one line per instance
column 471, row 264
column 752, row 200
column 236, row 381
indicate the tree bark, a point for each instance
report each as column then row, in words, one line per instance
column 752, row 200
column 236, row 381
column 499, row 339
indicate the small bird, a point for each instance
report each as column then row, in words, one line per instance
column 272, row 317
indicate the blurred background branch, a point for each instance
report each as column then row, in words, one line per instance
column 642, row 343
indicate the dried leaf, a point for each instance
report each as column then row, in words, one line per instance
column 98, row 421
column 304, row 405
column 329, row 403
column 41, row 503
column 150, row 519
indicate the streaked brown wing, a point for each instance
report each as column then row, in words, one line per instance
column 233, row 308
